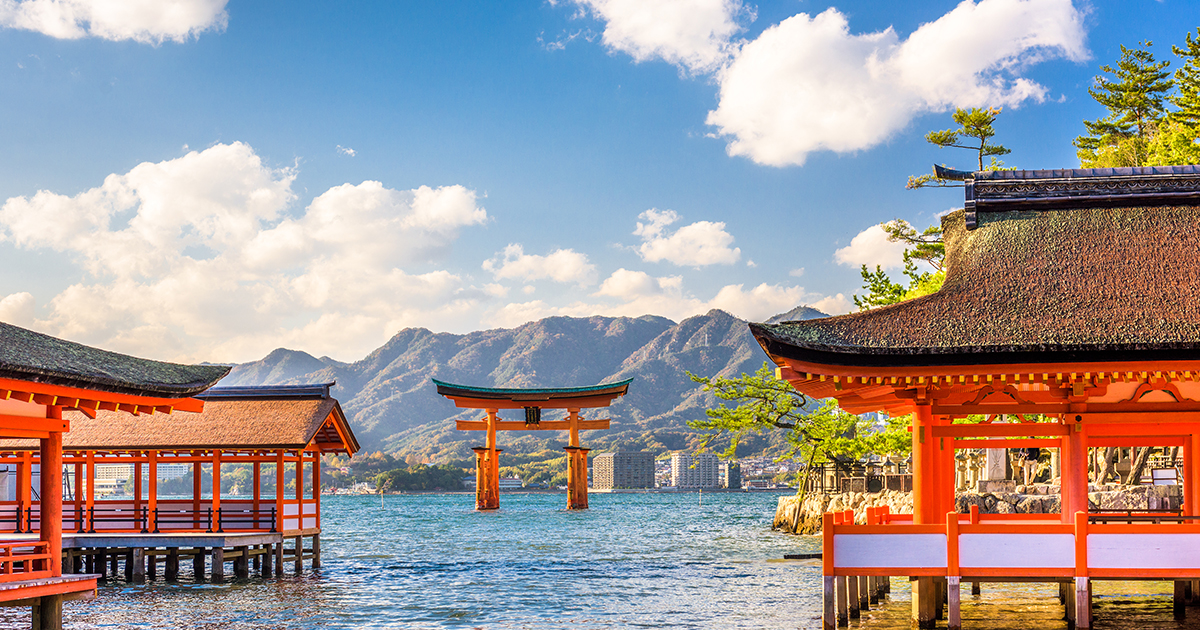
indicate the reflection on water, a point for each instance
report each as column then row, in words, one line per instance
column 633, row 560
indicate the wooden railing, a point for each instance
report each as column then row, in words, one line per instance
column 24, row 560
column 1013, row 545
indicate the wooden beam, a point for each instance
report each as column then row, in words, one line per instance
column 1007, row 443
column 29, row 423
column 1032, row 429
column 583, row 402
column 519, row 425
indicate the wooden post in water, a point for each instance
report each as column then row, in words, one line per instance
column 924, row 602
column 953, row 612
column 171, row 566
column 852, row 586
column 1179, row 599
column 864, row 593
column 218, row 564
column 843, row 601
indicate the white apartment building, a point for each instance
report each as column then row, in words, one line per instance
column 698, row 471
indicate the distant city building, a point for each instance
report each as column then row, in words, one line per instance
column 623, row 469
column 729, row 475
column 699, row 471
column 117, row 472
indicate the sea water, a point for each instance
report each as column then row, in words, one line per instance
column 642, row 560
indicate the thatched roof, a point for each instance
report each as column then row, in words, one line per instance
column 276, row 417
column 29, row 356
column 1036, row 284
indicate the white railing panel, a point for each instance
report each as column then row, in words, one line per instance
column 889, row 550
column 1043, row 551
column 290, row 509
column 1144, row 551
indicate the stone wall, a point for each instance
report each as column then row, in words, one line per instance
column 804, row 517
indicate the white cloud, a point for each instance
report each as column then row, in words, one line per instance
column 871, row 247
column 809, row 84
column 694, row 34
column 347, row 151
column 797, row 272
column 145, row 21
column 17, row 309
column 760, row 302
column 833, row 305
column 696, row 244
column 561, row 265
column 199, row 258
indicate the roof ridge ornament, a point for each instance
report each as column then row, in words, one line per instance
column 1059, row 189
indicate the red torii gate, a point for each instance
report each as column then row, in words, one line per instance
column 493, row 399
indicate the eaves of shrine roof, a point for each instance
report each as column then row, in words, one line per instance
column 30, row 356
column 275, row 417
column 518, row 394
column 1101, row 278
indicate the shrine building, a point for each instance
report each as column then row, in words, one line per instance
column 279, row 433
column 1071, row 305
column 42, row 377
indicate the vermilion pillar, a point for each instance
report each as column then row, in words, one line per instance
column 577, row 486
column 487, row 483
column 1075, row 469
column 51, row 493
column 925, row 508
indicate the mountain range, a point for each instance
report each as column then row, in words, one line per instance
column 393, row 406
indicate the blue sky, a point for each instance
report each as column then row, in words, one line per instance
column 215, row 181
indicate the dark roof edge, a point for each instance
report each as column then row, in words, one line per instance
column 311, row 390
column 450, row 389
column 114, row 386
column 961, row 356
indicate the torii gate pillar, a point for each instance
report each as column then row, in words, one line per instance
column 487, row 469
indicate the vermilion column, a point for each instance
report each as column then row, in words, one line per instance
column 487, row 482
column 923, row 462
column 1075, row 470
column 577, row 488
column 51, row 491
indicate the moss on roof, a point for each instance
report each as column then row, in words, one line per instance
column 1078, row 282
column 31, row 356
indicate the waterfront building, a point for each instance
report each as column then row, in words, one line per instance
column 43, row 381
column 532, row 401
column 623, row 469
column 729, row 475
column 1070, row 297
column 282, row 431
column 694, row 471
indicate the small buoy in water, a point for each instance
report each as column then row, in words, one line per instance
column 701, row 497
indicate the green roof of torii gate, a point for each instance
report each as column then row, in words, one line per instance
column 618, row 388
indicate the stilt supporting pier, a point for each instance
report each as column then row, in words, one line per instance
column 853, row 599
column 843, row 602
column 47, row 613
column 953, row 614
column 864, row 593
column 218, row 564
column 1083, row 603
column 1179, row 599
column 829, row 603
column 924, row 602
column 171, row 567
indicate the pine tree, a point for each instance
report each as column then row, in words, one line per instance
column 972, row 123
column 1135, row 98
column 1187, row 81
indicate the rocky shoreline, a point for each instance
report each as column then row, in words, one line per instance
column 796, row 516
